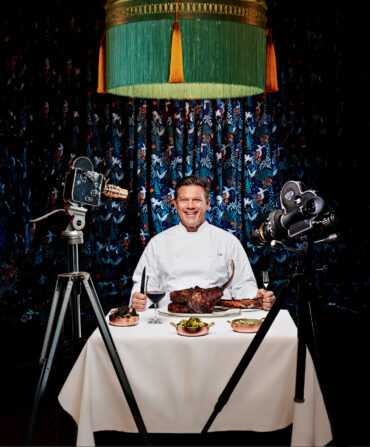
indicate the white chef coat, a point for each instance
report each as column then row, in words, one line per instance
column 176, row 259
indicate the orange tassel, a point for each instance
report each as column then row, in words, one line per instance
column 176, row 67
column 271, row 72
column 101, row 68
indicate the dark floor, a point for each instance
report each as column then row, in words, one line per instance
column 344, row 346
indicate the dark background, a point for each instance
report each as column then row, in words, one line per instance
column 323, row 124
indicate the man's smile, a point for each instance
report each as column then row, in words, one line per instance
column 191, row 206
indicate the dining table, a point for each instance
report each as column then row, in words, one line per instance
column 177, row 380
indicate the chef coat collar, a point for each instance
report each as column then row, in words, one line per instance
column 201, row 228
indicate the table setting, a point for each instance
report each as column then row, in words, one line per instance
column 177, row 380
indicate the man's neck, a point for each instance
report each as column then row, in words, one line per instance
column 193, row 229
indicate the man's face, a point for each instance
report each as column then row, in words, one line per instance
column 191, row 206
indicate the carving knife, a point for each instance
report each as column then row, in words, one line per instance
column 142, row 285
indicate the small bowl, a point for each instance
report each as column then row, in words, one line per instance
column 123, row 321
column 252, row 325
column 192, row 331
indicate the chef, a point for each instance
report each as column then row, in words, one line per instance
column 195, row 253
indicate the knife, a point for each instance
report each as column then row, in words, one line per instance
column 142, row 285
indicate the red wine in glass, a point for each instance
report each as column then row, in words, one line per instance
column 155, row 297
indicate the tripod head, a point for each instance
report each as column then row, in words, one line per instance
column 304, row 251
column 73, row 233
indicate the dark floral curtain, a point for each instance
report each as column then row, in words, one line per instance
column 248, row 148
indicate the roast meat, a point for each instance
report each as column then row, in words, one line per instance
column 196, row 299
column 246, row 303
column 180, row 308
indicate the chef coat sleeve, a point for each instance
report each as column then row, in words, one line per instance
column 244, row 283
column 148, row 259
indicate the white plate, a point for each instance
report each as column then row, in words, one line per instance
column 218, row 311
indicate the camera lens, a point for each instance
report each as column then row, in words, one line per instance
column 256, row 238
column 313, row 206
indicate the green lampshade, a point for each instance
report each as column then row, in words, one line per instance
column 223, row 48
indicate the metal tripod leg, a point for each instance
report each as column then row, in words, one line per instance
column 112, row 351
column 307, row 336
column 311, row 338
column 301, row 369
column 49, row 327
column 74, row 238
column 248, row 355
column 49, row 349
column 75, row 305
column 301, row 349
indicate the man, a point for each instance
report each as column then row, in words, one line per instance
column 195, row 253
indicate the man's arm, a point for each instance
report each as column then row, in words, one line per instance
column 266, row 297
column 244, row 285
column 139, row 300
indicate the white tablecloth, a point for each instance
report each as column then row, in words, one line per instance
column 177, row 381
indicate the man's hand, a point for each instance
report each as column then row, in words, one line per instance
column 267, row 298
column 138, row 301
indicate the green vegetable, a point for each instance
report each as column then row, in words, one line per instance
column 194, row 322
column 246, row 321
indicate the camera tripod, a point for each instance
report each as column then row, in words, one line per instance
column 67, row 290
column 307, row 335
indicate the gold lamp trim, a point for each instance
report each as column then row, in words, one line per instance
column 252, row 12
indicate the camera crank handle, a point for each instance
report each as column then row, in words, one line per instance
column 331, row 238
column 278, row 245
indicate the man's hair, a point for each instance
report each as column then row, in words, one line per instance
column 193, row 180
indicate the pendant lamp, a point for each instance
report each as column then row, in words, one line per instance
column 185, row 49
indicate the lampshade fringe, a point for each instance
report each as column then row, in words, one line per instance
column 221, row 59
column 271, row 71
column 101, row 68
column 176, row 64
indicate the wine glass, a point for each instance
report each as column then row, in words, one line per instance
column 155, row 297
column 265, row 279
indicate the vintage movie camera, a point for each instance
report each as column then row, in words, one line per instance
column 300, row 209
column 84, row 186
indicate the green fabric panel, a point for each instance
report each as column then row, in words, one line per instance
column 139, row 54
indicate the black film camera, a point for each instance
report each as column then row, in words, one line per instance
column 84, row 186
column 299, row 210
